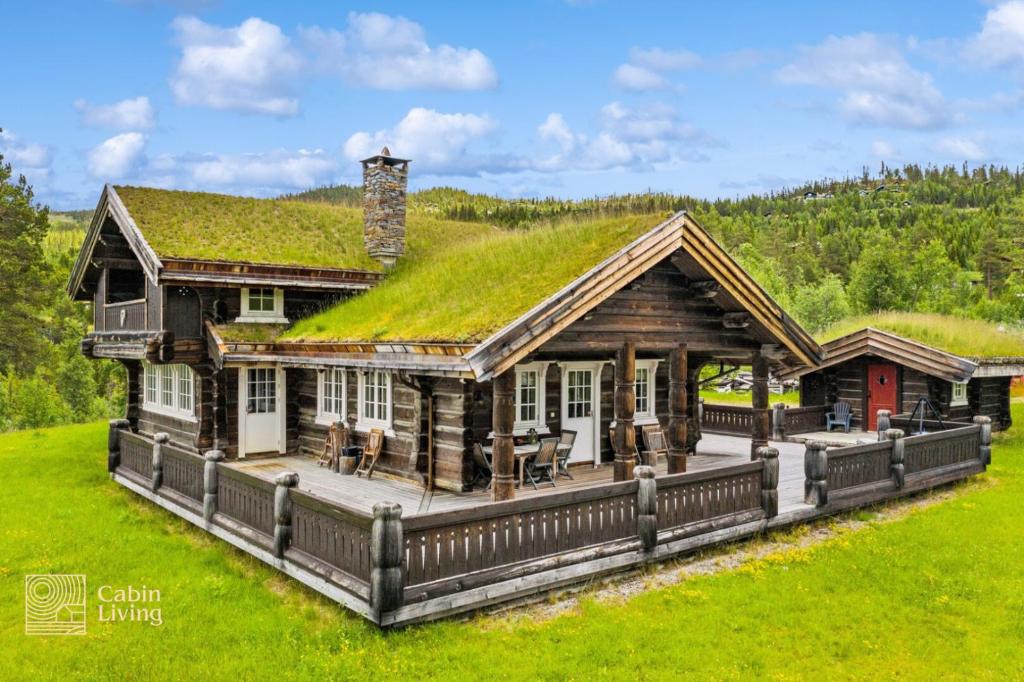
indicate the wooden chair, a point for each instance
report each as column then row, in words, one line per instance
column 483, row 466
column 371, row 451
column 542, row 465
column 566, row 440
column 839, row 416
column 336, row 439
column 655, row 444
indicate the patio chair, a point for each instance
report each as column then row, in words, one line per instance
column 654, row 444
column 483, row 466
column 566, row 438
column 371, row 451
column 542, row 465
column 839, row 416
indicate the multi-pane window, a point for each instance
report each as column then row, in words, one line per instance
column 579, row 383
column 375, row 399
column 526, row 397
column 643, row 388
column 261, row 300
column 169, row 389
column 262, row 304
column 332, row 395
column 261, row 390
column 959, row 393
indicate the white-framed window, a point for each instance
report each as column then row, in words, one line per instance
column 262, row 305
column 646, row 371
column 375, row 399
column 170, row 390
column 959, row 394
column 529, row 397
column 331, row 395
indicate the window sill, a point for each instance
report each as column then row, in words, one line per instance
column 328, row 419
column 959, row 403
column 261, row 319
column 641, row 421
column 164, row 412
column 389, row 432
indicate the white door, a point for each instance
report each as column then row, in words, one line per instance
column 581, row 395
column 261, row 398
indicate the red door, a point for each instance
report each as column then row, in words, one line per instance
column 881, row 392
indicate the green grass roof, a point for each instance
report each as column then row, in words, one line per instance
column 967, row 338
column 203, row 226
column 470, row 290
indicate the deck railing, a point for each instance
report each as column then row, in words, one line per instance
column 183, row 472
column 857, row 465
column 943, row 448
column 729, row 419
column 738, row 420
column 246, row 499
column 332, row 533
column 691, row 498
column 129, row 315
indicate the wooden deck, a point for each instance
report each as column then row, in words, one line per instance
column 713, row 452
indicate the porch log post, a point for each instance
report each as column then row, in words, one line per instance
column 759, row 396
column 283, row 511
column 646, row 507
column 159, row 440
column 114, row 443
column 769, row 481
column 387, row 548
column 895, row 436
column 985, row 449
column 884, row 422
column 779, row 421
column 210, row 482
column 816, row 473
column 678, row 420
column 625, row 408
column 694, row 408
column 503, row 417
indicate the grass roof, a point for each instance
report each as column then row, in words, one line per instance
column 470, row 290
column 204, row 226
column 967, row 338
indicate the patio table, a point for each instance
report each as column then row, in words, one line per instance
column 521, row 453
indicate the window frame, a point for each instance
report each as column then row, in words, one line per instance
column 539, row 423
column 325, row 417
column 182, row 403
column 961, row 401
column 275, row 316
column 365, row 423
column 650, row 415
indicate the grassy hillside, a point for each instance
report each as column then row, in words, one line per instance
column 937, row 593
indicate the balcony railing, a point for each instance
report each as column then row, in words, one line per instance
column 127, row 316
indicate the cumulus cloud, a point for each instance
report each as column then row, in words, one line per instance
column 391, row 53
column 878, row 86
column 30, row 159
column 248, row 68
column 119, row 157
column 262, row 173
column 961, row 148
column 128, row 114
column 1001, row 39
column 646, row 68
column 883, row 149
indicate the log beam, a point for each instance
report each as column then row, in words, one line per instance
column 759, row 397
column 677, row 432
column 625, row 408
column 503, row 418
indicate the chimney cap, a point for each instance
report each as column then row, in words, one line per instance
column 384, row 156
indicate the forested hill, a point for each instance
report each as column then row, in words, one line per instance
column 947, row 240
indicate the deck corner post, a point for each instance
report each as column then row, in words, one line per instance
column 387, row 547
column 159, row 440
column 283, row 508
column 114, row 443
column 625, row 409
column 759, row 400
column 816, row 473
column 646, row 506
column 769, row 481
column 895, row 436
column 884, row 421
column 779, row 421
column 503, row 486
column 985, row 448
column 210, row 482
column 678, row 431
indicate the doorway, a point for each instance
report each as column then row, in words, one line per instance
column 261, row 406
column 881, row 392
column 581, row 409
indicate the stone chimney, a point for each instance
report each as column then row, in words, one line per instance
column 384, row 182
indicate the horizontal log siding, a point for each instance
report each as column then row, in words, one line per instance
column 137, row 454
column 183, row 472
column 336, row 535
column 692, row 497
column 734, row 419
column 450, row 544
column 933, row 450
column 245, row 499
column 859, row 464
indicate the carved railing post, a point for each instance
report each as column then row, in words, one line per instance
column 677, row 433
column 114, row 443
column 387, row 546
column 283, row 511
column 779, row 421
column 759, row 400
column 884, row 422
column 896, row 455
column 158, row 460
column 646, row 506
column 816, row 473
column 769, row 481
column 625, row 408
column 210, row 482
column 985, row 451
column 503, row 417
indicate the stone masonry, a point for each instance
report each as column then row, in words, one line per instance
column 384, row 185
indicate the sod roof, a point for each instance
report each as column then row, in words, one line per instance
column 468, row 291
column 974, row 339
column 220, row 227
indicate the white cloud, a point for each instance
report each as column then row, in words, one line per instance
column 1001, row 39
column 959, row 148
column 118, row 157
column 883, row 149
column 128, row 114
column 879, row 87
column 249, row 67
column 30, row 159
column 646, row 68
column 664, row 60
column 639, row 79
column 275, row 169
column 391, row 53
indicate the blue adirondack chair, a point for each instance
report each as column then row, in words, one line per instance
column 839, row 416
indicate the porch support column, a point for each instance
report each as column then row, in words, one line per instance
column 625, row 408
column 503, row 417
column 759, row 396
column 677, row 431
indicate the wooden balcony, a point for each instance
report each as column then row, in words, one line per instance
column 124, row 316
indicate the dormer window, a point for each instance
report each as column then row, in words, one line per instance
column 262, row 305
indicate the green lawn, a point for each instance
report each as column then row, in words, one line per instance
column 791, row 398
column 938, row 593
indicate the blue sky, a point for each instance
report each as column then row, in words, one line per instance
column 517, row 99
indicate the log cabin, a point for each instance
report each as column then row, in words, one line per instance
column 251, row 326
